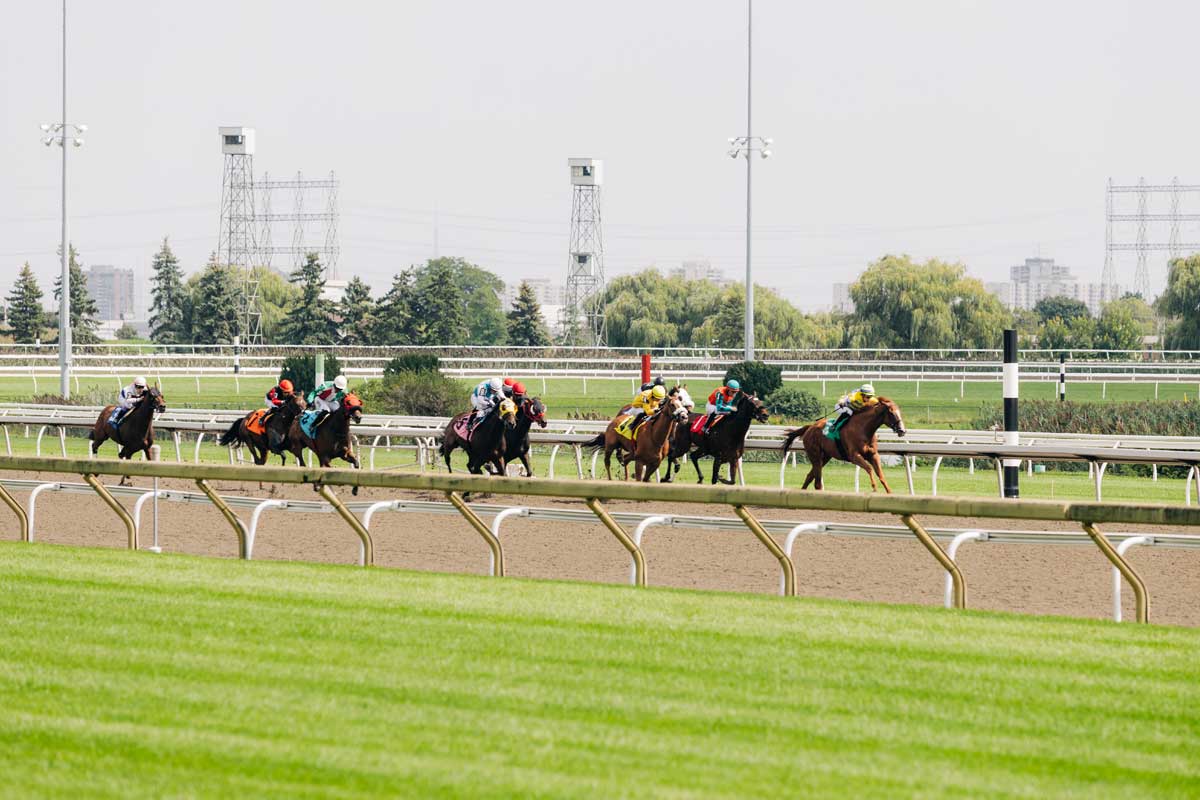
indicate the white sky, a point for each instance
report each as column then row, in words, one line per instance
column 973, row 131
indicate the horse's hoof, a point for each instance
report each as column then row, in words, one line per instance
column 354, row 491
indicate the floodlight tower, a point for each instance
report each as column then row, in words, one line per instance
column 585, row 262
column 237, row 245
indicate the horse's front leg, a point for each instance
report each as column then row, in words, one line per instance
column 878, row 465
column 858, row 461
column 525, row 464
column 695, row 457
column 716, row 475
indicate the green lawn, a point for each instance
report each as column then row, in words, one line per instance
column 127, row 675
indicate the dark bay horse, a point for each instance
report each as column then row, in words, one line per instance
column 726, row 440
column 517, row 441
column 858, row 445
column 487, row 444
column 136, row 429
column 278, row 423
column 332, row 438
column 652, row 444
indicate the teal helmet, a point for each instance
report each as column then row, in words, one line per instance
column 732, row 383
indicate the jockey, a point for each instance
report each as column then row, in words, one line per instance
column 647, row 402
column 130, row 396
column 328, row 397
column 509, row 383
column 857, row 400
column 723, row 400
column 279, row 394
column 486, row 396
column 518, row 393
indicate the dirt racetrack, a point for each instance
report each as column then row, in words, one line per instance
column 1071, row 580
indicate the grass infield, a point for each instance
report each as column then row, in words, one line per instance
column 128, row 674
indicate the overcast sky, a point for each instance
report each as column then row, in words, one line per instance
column 974, row 131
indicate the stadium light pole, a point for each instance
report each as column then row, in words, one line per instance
column 747, row 146
column 62, row 133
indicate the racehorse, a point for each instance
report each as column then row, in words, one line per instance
column 486, row 444
column 332, row 439
column 725, row 440
column 517, row 441
column 650, row 447
column 276, row 424
column 858, row 443
column 135, row 430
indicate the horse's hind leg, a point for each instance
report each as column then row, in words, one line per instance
column 695, row 457
column 859, row 461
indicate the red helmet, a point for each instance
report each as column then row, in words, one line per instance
column 518, row 388
column 286, row 385
column 509, row 382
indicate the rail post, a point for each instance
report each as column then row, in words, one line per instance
column 367, row 556
column 118, row 509
column 1012, row 466
column 614, row 527
column 230, row 517
column 23, row 518
column 785, row 563
column 483, row 530
column 1118, row 561
column 958, row 583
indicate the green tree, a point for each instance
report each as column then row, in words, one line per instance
column 214, row 304
column 1181, row 304
column 83, row 307
column 1117, row 328
column 309, row 320
column 276, row 297
column 648, row 310
column 898, row 303
column 168, row 307
column 357, row 313
column 25, row 314
column 1142, row 312
column 777, row 323
column 525, row 325
column 1076, row 333
column 1064, row 308
column 394, row 322
column 439, row 306
column 479, row 293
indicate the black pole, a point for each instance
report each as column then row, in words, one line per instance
column 1012, row 466
column 1062, row 378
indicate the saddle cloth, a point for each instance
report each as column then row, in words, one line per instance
column 256, row 423
column 308, row 423
column 833, row 426
column 698, row 425
column 462, row 428
column 628, row 428
column 114, row 419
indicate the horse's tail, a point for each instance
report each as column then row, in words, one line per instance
column 231, row 436
column 792, row 436
column 594, row 443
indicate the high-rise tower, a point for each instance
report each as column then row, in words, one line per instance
column 584, row 308
column 237, row 245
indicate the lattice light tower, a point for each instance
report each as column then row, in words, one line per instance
column 1147, row 226
column 584, row 306
column 237, row 245
column 313, row 201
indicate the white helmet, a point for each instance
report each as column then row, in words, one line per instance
column 139, row 382
column 340, row 382
column 867, row 389
column 496, row 384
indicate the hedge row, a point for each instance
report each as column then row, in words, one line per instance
column 1160, row 418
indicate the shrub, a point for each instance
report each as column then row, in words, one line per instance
column 795, row 404
column 301, row 371
column 428, row 394
column 411, row 362
column 757, row 377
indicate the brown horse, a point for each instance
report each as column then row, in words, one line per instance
column 488, row 442
column 332, row 438
column 858, row 444
column 725, row 440
column 650, row 447
column 277, row 423
column 136, row 429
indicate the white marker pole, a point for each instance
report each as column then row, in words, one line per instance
column 1012, row 466
column 155, row 455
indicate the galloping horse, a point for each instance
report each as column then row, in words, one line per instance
column 274, row 438
column 652, row 444
column 332, row 439
column 517, row 440
column 725, row 440
column 858, row 444
column 487, row 442
column 135, row 430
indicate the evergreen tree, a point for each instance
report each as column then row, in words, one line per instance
column 440, row 307
column 25, row 315
column 214, row 318
column 525, row 326
column 394, row 314
column 357, row 312
column 168, row 311
column 309, row 321
column 83, row 307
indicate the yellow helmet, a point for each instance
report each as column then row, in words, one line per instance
column 659, row 392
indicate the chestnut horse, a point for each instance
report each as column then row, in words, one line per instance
column 652, row 444
column 858, row 444
column 332, row 438
column 277, row 422
column 136, row 429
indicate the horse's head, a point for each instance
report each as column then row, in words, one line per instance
column 677, row 409
column 758, row 409
column 352, row 403
column 891, row 416
column 156, row 399
column 681, row 392
column 535, row 409
column 295, row 403
column 508, row 412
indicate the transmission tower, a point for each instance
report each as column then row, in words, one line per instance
column 1183, row 202
column 584, row 306
column 236, row 241
column 320, row 193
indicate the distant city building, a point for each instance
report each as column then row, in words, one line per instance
column 1039, row 278
column 113, row 290
column 841, row 298
column 698, row 270
column 1005, row 291
column 547, row 291
column 334, row 290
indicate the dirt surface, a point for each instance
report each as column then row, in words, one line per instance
column 1072, row 580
